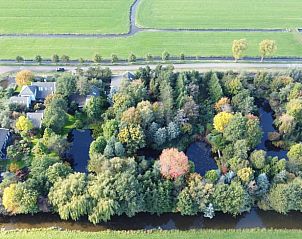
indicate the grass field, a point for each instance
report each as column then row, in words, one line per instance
column 64, row 16
column 220, row 13
column 202, row 234
column 190, row 43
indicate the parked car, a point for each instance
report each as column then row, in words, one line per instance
column 60, row 69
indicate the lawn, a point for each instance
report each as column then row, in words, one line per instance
column 190, row 43
column 64, row 16
column 220, row 14
column 213, row 234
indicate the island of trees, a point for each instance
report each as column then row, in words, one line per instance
column 141, row 131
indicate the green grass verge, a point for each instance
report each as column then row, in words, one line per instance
column 64, row 16
column 69, row 124
column 220, row 14
column 200, row 234
column 190, row 43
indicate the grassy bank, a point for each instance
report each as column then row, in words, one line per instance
column 220, row 14
column 206, row 234
column 189, row 43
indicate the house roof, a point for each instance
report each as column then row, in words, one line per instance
column 44, row 89
column 36, row 118
column 28, row 90
column 81, row 100
column 3, row 135
column 22, row 100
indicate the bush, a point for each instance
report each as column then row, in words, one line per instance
column 114, row 58
column 132, row 58
column 258, row 159
column 211, row 176
column 165, row 56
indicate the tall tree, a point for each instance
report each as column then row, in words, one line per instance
column 267, row 48
column 239, row 46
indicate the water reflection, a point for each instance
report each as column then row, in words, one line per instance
column 81, row 140
column 200, row 153
column 254, row 219
column 267, row 125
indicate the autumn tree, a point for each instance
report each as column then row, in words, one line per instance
column 239, row 46
column 221, row 120
column 24, row 124
column 24, row 77
column 173, row 163
column 266, row 48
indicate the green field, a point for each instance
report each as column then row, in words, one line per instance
column 190, row 43
column 64, row 16
column 220, row 14
column 201, row 234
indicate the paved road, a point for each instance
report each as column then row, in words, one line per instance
column 189, row 66
column 118, row 70
column 133, row 29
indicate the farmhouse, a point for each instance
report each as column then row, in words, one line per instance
column 37, row 91
column 36, row 118
column 4, row 137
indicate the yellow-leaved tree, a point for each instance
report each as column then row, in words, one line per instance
column 221, row 120
column 24, row 77
column 239, row 46
column 23, row 124
column 8, row 199
column 267, row 48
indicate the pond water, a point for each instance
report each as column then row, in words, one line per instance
column 200, row 153
column 267, row 125
column 81, row 140
column 255, row 219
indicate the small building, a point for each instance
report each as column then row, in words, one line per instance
column 20, row 100
column 4, row 138
column 36, row 118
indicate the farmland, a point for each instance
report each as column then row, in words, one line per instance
column 217, row 14
column 79, row 28
column 194, row 44
column 66, row 16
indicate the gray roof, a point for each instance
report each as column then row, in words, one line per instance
column 22, row 100
column 28, row 90
column 44, row 89
column 81, row 100
column 3, row 134
column 36, row 118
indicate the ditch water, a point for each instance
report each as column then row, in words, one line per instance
column 254, row 219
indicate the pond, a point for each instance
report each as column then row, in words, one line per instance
column 200, row 154
column 81, row 140
column 267, row 125
column 254, row 219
